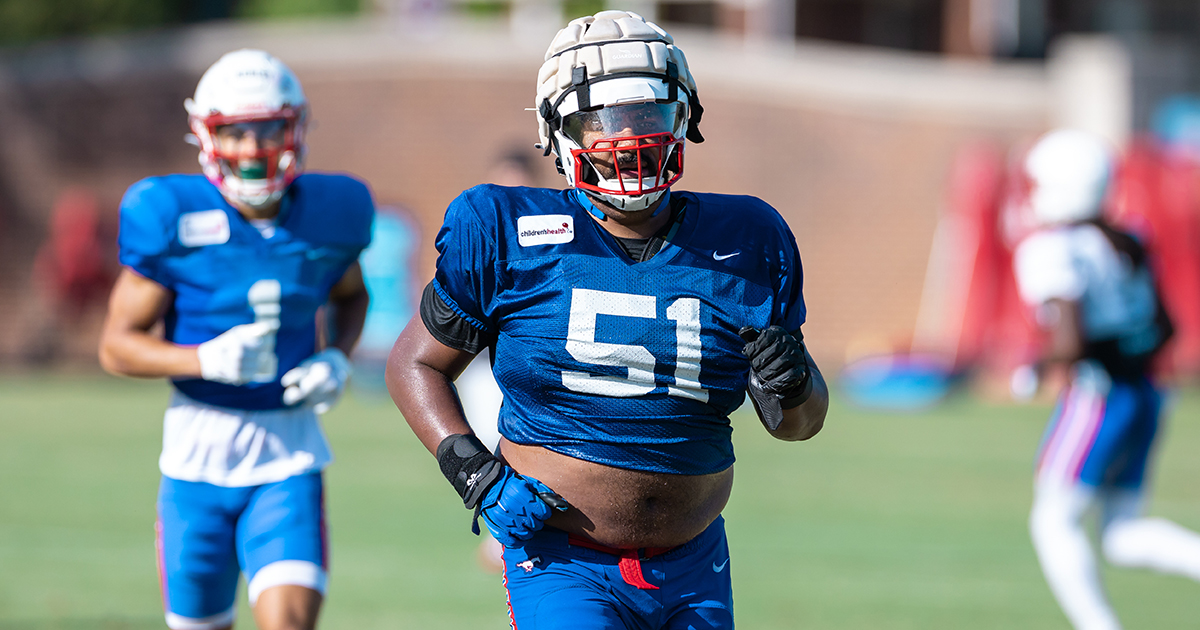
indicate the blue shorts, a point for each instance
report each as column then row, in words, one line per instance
column 1101, row 434
column 557, row 581
column 207, row 535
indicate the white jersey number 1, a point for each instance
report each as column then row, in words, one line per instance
column 264, row 298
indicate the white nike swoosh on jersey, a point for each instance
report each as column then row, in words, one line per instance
column 721, row 567
column 717, row 256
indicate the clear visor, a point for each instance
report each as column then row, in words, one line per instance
column 586, row 128
column 253, row 134
column 251, row 149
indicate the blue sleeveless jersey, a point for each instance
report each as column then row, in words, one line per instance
column 636, row 366
column 181, row 233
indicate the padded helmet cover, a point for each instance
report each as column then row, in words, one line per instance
column 607, row 44
column 607, row 59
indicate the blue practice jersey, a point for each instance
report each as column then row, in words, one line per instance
column 633, row 365
column 181, row 233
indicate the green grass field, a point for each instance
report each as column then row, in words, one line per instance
column 881, row 522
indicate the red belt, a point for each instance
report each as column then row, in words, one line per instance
column 631, row 559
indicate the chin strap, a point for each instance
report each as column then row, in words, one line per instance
column 584, row 199
column 664, row 202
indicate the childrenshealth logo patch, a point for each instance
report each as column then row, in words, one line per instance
column 209, row 227
column 545, row 229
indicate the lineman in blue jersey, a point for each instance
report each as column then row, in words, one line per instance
column 236, row 263
column 626, row 322
column 1094, row 291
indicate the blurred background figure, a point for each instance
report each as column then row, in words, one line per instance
column 1094, row 292
column 234, row 265
column 72, row 274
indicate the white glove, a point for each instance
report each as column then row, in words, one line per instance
column 318, row 381
column 240, row 355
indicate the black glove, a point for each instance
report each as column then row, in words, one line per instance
column 778, row 364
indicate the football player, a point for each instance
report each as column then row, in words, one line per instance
column 626, row 320
column 235, row 264
column 1094, row 291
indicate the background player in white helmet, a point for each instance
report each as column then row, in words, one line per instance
column 236, row 263
column 626, row 322
column 1093, row 289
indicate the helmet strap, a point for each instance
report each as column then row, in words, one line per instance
column 586, row 201
column 583, row 93
column 672, row 81
column 663, row 202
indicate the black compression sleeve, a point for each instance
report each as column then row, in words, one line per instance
column 450, row 328
column 469, row 467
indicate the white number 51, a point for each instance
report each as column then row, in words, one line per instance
column 586, row 304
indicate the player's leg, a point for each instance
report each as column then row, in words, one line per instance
column 490, row 554
column 577, row 608
column 1086, row 416
column 289, row 607
column 1130, row 539
column 282, row 546
column 197, row 561
column 1068, row 562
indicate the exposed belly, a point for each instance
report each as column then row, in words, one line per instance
column 624, row 508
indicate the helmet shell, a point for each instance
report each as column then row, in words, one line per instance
column 244, row 86
column 1070, row 171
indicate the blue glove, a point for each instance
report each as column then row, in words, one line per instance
column 512, row 508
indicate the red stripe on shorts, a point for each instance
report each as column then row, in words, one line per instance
column 512, row 620
column 1082, row 455
column 160, row 562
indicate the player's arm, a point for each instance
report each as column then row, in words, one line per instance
column 807, row 419
column 350, row 300
column 1062, row 321
column 420, row 375
column 127, row 347
column 786, row 387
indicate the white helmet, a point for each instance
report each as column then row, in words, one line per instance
column 242, row 88
column 1070, row 170
column 615, row 103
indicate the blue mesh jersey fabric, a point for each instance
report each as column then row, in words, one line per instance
column 180, row 232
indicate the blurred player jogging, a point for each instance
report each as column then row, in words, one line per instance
column 1093, row 289
column 235, row 264
column 626, row 321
